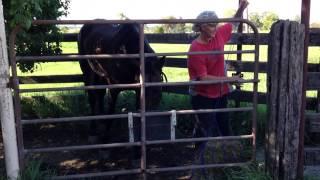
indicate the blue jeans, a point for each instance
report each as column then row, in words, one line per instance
column 211, row 124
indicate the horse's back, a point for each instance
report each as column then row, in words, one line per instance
column 90, row 34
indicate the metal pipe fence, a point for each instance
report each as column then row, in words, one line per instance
column 143, row 143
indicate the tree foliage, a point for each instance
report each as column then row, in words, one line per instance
column 33, row 39
column 171, row 28
column 263, row 21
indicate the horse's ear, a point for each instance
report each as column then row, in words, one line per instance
column 161, row 62
column 122, row 35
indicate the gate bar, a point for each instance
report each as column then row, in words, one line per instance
column 82, row 147
column 190, row 167
column 100, row 174
column 145, row 21
column 148, row 114
column 139, row 143
column 122, row 56
column 127, row 86
column 305, row 20
column 78, row 118
column 184, row 140
column 136, row 85
column 142, row 103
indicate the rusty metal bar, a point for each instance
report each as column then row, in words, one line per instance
column 99, row 174
column 127, row 86
column 255, row 91
column 142, row 21
column 142, row 102
column 130, row 144
column 239, row 57
column 122, row 56
column 81, row 147
column 305, row 19
column 255, row 100
column 190, row 167
column 134, row 85
column 154, row 84
column 114, row 116
column 199, row 111
column 73, row 119
column 185, row 140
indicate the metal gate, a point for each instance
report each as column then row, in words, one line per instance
column 143, row 113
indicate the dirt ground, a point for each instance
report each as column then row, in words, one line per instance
column 92, row 161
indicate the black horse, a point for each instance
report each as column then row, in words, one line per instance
column 116, row 39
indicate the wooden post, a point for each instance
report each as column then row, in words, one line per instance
column 6, row 108
column 285, row 78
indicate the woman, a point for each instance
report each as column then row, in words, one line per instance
column 211, row 67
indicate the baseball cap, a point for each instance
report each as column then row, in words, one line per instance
column 204, row 15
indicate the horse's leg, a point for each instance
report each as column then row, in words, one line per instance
column 136, row 151
column 137, row 92
column 112, row 100
column 96, row 100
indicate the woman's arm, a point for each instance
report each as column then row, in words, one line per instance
column 242, row 6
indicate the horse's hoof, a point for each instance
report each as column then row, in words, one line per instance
column 93, row 139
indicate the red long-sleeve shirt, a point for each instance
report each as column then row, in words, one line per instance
column 202, row 65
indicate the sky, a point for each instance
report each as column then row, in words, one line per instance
column 186, row 9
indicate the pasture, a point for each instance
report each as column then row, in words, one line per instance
column 173, row 74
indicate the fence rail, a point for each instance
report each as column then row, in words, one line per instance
column 313, row 80
column 185, row 38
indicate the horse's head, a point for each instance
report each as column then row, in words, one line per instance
column 153, row 65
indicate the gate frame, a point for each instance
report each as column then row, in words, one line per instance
column 143, row 114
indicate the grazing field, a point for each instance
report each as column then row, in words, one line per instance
column 173, row 74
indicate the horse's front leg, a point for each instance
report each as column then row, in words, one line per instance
column 97, row 105
column 112, row 100
column 137, row 98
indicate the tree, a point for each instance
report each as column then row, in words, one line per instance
column 268, row 18
column 122, row 16
column 264, row 20
column 33, row 40
column 297, row 18
column 256, row 19
column 171, row 28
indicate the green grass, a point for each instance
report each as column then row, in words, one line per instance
column 250, row 172
column 35, row 171
column 174, row 74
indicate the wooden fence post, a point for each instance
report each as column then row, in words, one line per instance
column 285, row 76
column 6, row 108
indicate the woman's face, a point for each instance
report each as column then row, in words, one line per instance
column 208, row 30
